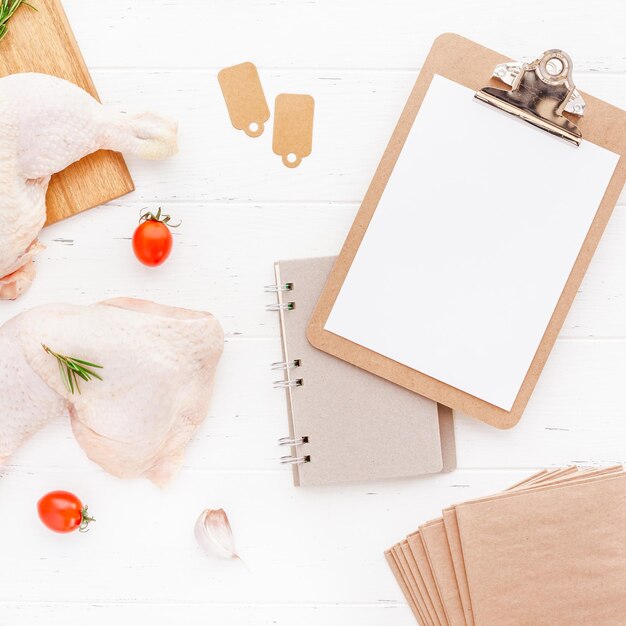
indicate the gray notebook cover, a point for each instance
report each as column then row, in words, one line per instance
column 358, row 426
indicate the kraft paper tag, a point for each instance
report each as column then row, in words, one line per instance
column 244, row 97
column 293, row 127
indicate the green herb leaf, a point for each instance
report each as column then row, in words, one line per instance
column 87, row 363
column 72, row 369
column 7, row 9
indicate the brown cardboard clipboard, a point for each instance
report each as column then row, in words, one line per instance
column 471, row 65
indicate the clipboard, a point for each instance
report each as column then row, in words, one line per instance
column 471, row 65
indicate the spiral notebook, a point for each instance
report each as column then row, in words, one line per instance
column 346, row 424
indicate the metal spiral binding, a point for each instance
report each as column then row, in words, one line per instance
column 291, row 441
column 288, row 384
column 286, row 365
column 287, row 306
column 277, row 288
column 295, row 460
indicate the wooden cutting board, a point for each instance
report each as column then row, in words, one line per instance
column 42, row 41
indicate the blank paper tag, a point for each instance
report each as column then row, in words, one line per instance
column 244, row 97
column 293, row 127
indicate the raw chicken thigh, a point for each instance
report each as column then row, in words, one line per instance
column 158, row 370
column 46, row 124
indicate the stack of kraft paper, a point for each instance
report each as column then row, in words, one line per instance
column 548, row 551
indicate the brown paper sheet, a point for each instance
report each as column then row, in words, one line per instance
column 393, row 565
column 566, row 543
column 454, row 544
column 416, row 583
column 415, row 586
column 569, row 475
column 437, row 553
column 456, row 555
column 440, row 560
column 449, row 573
column 416, row 546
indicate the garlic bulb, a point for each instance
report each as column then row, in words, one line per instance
column 214, row 534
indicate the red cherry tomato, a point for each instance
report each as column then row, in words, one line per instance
column 152, row 241
column 63, row 512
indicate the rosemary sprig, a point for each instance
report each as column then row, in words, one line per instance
column 7, row 8
column 72, row 369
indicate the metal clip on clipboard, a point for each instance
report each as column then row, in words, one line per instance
column 541, row 92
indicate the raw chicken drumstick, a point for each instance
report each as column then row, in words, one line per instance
column 46, row 124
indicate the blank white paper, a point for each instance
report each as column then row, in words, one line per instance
column 471, row 245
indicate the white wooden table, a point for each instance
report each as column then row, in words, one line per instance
column 314, row 555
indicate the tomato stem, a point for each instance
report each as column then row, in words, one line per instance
column 149, row 216
column 86, row 520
